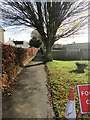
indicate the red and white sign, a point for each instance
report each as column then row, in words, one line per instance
column 84, row 98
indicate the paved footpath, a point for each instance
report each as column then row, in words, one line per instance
column 30, row 98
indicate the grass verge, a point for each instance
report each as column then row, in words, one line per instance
column 62, row 75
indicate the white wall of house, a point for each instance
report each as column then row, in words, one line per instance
column 10, row 42
column 24, row 45
column 1, row 35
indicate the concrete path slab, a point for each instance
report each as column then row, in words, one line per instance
column 30, row 98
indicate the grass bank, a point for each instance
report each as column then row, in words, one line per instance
column 62, row 75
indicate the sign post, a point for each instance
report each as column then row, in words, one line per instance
column 84, row 98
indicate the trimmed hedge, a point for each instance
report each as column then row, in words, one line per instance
column 70, row 55
column 13, row 60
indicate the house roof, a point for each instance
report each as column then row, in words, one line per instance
column 78, row 45
column 2, row 28
column 18, row 42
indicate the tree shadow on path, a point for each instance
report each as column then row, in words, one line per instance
column 38, row 60
column 34, row 65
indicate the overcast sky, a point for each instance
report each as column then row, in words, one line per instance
column 24, row 34
column 17, row 33
column 83, row 38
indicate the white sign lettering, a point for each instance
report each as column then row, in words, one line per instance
column 87, row 101
column 85, row 93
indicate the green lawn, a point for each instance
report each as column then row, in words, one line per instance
column 62, row 76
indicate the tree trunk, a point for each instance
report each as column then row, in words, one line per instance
column 48, row 55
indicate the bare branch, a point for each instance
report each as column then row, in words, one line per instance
column 46, row 17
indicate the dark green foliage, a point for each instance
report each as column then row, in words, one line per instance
column 35, row 43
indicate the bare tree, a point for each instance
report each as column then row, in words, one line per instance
column 47, row 18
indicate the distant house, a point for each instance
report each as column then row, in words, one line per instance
column 1, row 35
column 10, row 42
column 22, row 44
column 76, row 46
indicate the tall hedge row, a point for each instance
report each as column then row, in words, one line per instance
column 12, row 60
